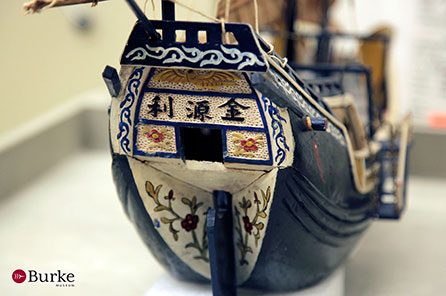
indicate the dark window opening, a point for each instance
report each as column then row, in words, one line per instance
column 202, row 144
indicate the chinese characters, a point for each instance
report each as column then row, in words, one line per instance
column 233, row 111
column 201, row 109
column 155, row 108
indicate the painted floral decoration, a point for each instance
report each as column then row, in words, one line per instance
column 170, row 196
column 248, row 225
column 246, row 146
column 190, row 223
column 249, row 145
column 252, row 227
column 155, row 136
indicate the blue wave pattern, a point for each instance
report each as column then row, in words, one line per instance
column 278, row 134
column 124, row 120
column 176, row 55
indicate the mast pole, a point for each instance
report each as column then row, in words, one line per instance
column 168, row 10
column 147, row 24
column 323, row 47
column 291, row 16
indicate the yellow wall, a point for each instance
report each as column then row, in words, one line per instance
column 45, row 60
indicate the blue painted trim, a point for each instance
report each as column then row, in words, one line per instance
column 225, row 144
column 224, row 128
column 213, row 54
column 248, row 160
column 277, row 127
column 160, row 123
column 262, row 115
column 157, row 154
column 124, row 119
column 137, row 110
column 265, row 130
column 200, row 93
column 179, row 146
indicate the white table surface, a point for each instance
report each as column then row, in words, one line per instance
column 71, row 219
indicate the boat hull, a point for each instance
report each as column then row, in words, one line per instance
column 306, row 238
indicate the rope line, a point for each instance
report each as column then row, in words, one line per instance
column 227, row 7
column 256, row 16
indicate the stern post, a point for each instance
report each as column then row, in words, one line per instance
column 221, row 245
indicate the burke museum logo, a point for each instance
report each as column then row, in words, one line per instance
column 60, row 278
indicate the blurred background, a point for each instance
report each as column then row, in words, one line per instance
column 58, row 205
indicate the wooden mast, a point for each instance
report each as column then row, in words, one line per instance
column 37, row 5
column 168, row 10
column 291, row 15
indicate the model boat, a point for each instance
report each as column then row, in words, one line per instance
column 235, row 170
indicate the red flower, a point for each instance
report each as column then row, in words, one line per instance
column 249, row 145
column 248, row 225
column 170, row 196
column 190, row 223
column 155, row 136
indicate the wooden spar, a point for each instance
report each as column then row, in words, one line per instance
column 147, row 24
column 37, row 5
column 168, row 10
column 323, row 46
column 291, row 15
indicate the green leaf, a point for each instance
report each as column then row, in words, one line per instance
column 192, row 245
column 248, row 250
column 160, row 208
column 267, row 196
column 186, row 201
column 262, row 214
column 153, row 192
column 157, row 190
column 166, row 220
column 174, row 232
column 201, row 258
column 259, row 226
column 150, row 189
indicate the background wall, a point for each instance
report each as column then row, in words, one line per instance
column 45, row 60
column 417, row 78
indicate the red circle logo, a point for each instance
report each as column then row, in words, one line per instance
column 18, row 276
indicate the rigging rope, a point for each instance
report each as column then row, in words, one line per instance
column 227, row 11
column 145, row 4
column 256, row 16
column 282, row 62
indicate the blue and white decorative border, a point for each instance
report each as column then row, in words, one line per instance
column 125, row 121
column 176, row 55
column 278, row 132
